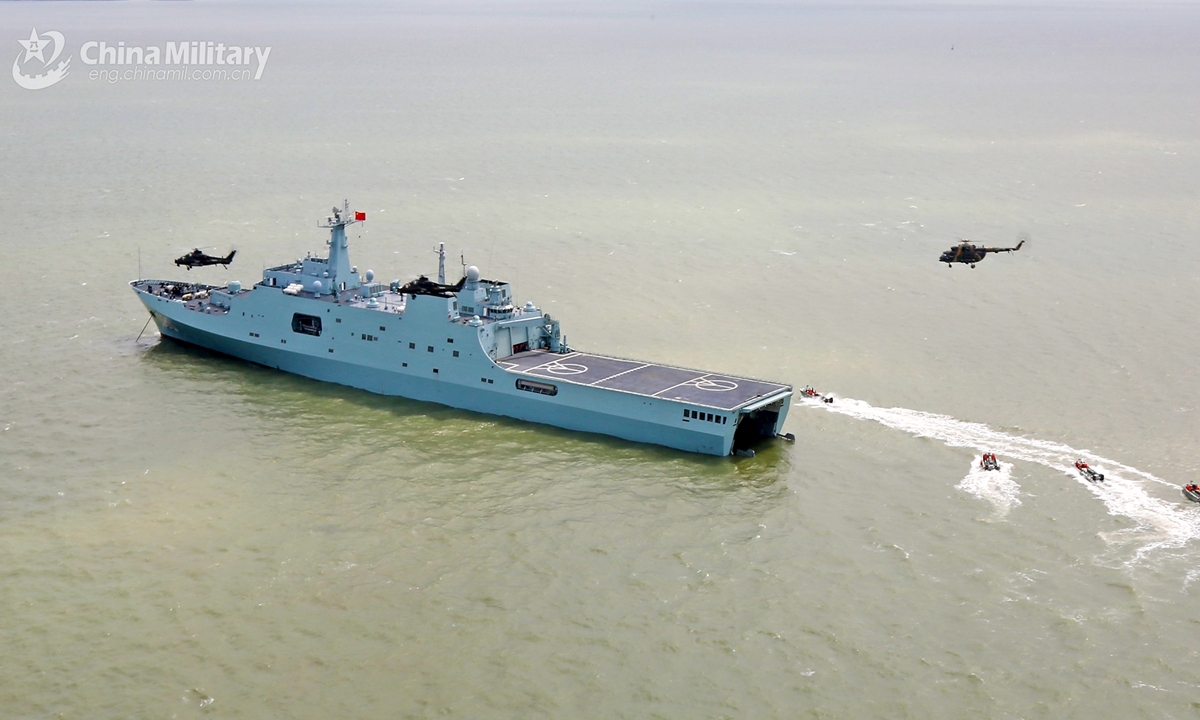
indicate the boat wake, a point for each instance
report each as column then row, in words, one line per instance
column 1159, row 523
column 995, row 486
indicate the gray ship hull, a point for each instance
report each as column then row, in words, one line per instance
column 585, row 408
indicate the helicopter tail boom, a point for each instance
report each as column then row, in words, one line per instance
column 998, row 250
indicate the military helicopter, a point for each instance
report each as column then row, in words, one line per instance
column 967, row 253
column 196, row 258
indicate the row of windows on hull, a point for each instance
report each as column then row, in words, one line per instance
column 706, row 417
column 311, row 325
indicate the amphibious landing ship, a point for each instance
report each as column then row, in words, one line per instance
column 467, row 345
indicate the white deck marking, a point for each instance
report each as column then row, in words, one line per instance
column 713, row 385
column 685, row 382
column 610, row 377
column 561, row 368
column 551, row 362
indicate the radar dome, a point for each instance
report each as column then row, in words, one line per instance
column 473, row 274
column 317, row 286
column 370, row 276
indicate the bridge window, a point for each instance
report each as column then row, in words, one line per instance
column 537, row 387
column 455, row 353
column 306, row 324
column 412, row 346
column 429, row 348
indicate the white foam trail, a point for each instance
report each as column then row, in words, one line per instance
column 995, row 486
column 1160, row 524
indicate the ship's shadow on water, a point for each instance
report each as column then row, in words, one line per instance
column 289, row 403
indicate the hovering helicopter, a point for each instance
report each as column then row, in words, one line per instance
column 967, row 253
column 196, row 258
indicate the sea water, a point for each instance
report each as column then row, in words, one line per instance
column 752, row 189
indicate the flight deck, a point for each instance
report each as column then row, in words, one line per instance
column 647, row 379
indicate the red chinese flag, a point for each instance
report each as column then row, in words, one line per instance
column 360, row 216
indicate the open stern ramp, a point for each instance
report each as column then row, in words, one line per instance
column 722, row 392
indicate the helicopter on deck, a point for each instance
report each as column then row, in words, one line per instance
column 196, row 258
column 967, row 253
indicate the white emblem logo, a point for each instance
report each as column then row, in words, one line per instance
column 35, row 47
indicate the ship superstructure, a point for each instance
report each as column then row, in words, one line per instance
column 468, row 345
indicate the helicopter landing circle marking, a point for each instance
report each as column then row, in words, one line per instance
column 714, row 385
column 561, row 368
